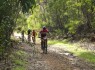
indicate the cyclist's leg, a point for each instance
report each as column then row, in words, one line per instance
column 33, row 39
column 28, row 38
column 41, row 44
column 22, row 38
column 46, row 46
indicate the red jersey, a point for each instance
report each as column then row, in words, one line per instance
column 43, row 32
column 34, row 33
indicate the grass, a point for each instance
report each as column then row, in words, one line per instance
column 51, row 42
column 75, row 49
column 18, row 57
column 19, row 68
column 21, row 53
column 88, row 56
column 20, row 64
column 19, row 60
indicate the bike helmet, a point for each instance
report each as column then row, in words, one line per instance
column 44, row 27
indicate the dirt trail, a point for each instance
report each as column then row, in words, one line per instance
column 56, row 59
column 53, row 60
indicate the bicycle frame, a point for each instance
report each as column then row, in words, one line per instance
column 44, row 44
column 33, row 39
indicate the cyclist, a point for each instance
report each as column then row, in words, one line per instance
column 34, row 36
column 29, row 35
column 43, row 34
column 22, row 35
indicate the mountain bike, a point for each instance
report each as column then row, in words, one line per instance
column 33, row 39
column 44, row 45
column 29, row 38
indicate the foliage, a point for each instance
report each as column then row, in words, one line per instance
column 36, row 19
column 9, row 12
column 27, row 4
column 68, row 16
column 19, row 62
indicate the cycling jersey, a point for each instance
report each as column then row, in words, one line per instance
column 29, row 31
column 44, row 32
column 34, row 33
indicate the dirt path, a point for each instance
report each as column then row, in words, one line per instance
column 56, row 59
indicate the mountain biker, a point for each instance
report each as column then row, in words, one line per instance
column 22, row 33
column 34, row 36
column 29, row 35
column 43, row 34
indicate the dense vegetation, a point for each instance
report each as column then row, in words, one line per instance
column 9, row 13
column 65, row 17
column 72, row 16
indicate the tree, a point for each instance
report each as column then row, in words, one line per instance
column 9, row 12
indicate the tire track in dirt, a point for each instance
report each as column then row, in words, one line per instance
column 51, row 61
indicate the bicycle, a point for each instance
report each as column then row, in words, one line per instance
column 44, row 45
column 29, row 38
column 33, row 39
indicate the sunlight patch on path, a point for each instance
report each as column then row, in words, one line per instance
column 58, row 48
column 62, row 50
